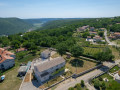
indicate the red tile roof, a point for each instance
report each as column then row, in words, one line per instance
column 20, row 49
column 4, row 55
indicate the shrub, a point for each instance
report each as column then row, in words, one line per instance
column 71, row 88
column 82, row 83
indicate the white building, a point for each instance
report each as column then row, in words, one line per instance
column 48, row 69
column 6, row 59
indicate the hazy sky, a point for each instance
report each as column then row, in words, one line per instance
column 59, row 8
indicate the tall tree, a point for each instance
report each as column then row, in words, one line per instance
column 77, row 51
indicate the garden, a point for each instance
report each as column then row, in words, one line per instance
column 106, row 82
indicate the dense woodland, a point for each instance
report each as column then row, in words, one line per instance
column 13, row 25
column 109, row 23
column 60, row 37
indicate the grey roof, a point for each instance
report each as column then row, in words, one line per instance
column 49, row 64
column 22, row 69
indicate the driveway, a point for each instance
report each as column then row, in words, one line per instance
column 30, row 86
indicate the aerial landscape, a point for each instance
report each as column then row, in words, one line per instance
column 59, row 45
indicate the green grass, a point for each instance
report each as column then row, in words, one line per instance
column 116, row 68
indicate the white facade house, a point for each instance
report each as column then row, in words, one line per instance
column 49, row 69
column 45, row 54
column 6, row 59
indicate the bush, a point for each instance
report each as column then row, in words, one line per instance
column 96, row 84
column 78, row 86
column 82, row 83
column 71, row 88
column 1, row 73
column 100, row 79
column 103, row 86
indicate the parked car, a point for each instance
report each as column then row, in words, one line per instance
column 2, row 78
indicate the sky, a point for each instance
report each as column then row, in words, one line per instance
column 59, row 8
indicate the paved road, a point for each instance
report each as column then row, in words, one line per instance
column 108, row 41
column 71, row 82
column 106, row 38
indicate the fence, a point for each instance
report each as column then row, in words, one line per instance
column 80, row 74
column 101, row 74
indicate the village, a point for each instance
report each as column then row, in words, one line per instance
column 49, row 68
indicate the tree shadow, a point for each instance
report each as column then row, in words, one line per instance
column 77, row 63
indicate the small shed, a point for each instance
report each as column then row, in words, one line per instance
column 22, row 70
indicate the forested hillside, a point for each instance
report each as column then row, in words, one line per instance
column 111, row 24
column 13, row 25
column 59, row 37
column 40, row 20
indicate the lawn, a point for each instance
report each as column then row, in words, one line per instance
column 11, row 82
column 114, row 69
column 79, row 65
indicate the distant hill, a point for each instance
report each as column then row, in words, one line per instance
column 61, row 23
column 40, row 20
column 13, row 25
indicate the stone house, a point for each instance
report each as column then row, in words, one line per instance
column 6, row 59
column 48, row 69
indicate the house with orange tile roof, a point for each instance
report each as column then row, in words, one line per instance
column 83, row 28
column 6, row 59
column 97, row 38
column 117, row 35
column 21, row 49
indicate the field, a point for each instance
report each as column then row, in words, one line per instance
column 91, row 50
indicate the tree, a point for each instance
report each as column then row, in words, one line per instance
column 20, row 55
column 96, row 84
column 105, row 55
column 62, row 48
column 82, row 83
column 76, row 51
column 78, row 86
column 101, row 33
column 85, row 34
column 34, row 52
column 103, row 86
column 15, row 44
